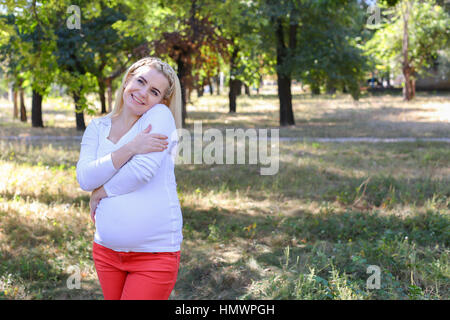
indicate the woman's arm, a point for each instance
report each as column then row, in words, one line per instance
column 93, row 172
column 89, row 168
column 142, row 167
column 140, row 144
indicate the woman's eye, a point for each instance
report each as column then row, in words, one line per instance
column 140, row 81
column 156, row 93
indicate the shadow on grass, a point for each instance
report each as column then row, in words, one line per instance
column 385, row 240
column 346, row 122
column 204, row 274
column 308, row 182
column 37, row 253
column 48, row 198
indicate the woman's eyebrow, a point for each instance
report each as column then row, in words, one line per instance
column 145, row 80
column 157, row 90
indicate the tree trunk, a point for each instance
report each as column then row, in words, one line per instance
column 235, row 91
column 101, row 92
column 109, row 93
column 211, row 89
column 330, row 88
column 238, row 85
column 217, row 80
column 283, row 80
column 36, row 110
column 200, row 91
column 181, row 76
column 408, row 88
column 15, row 106
column 284, row 93
column 23, row 110
column 188, row 95
column 247, row 89
column 260, row 84
column 79, row 114
column 232, row 94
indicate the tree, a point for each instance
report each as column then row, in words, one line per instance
column 239, row 22
column 315, row 42
column 185, row 42
column 329, row 53
column 11, row 61
column 116, row 35
column 30, row 55
column 410, row 43
column 90, row 57
column 284, row 19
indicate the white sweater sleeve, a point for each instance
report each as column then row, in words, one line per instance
column 142, row 167
column 92, row 172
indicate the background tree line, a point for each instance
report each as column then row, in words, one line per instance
column 327, row 45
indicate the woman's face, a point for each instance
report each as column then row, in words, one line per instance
column 144, row 89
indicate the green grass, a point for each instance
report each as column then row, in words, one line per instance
column 309, row 232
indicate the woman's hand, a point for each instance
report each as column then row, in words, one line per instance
column 97, row 195
column 146, row 142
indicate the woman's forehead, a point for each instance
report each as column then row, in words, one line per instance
column 151, row 74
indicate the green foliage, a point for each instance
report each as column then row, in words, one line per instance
column 241, row 22
column 32, row 45
column 429, row 32
column 95, row 49
column 39, row 46
column 330, row 52
column 328, row 48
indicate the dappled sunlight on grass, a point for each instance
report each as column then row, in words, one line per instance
column 39, row 242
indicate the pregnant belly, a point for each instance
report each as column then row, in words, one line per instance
column 121, row 224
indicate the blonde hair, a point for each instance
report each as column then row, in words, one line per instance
column 172, row 95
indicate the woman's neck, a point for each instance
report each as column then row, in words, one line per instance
column 125, row 119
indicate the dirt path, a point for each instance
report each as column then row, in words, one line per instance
column 306, row 139
column 366, row 139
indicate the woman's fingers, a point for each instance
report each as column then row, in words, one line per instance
column 159, row 143
column 148, row 129
column 157, row 139
column 93, row 216
column 93, row 206
column 151, row 142
column 157, row 135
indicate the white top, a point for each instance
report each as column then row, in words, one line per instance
column 142, row 212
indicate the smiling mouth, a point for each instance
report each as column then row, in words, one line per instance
column 137, row 100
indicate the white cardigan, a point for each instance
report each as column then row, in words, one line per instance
column 142, row 212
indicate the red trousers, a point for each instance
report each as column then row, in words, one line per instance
column 135, row 275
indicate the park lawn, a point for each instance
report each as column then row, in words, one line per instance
column 308, row 232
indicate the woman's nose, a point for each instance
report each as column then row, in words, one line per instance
column 143, row 93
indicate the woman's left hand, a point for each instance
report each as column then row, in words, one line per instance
column 97, row 195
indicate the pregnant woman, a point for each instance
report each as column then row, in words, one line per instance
column 134, row 203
